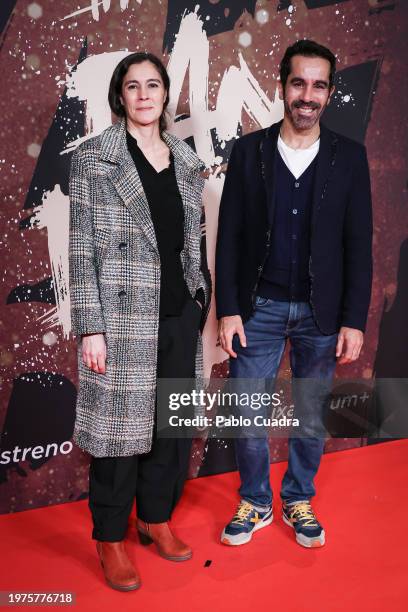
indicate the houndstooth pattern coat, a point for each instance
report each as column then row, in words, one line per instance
column 115, row 286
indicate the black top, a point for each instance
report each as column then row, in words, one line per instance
column 166, row 209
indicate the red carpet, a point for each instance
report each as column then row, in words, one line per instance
column 362, row 502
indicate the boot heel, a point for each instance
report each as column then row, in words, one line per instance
column 145, row 540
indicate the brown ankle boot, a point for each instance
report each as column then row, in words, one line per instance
column 118, row 569
column 168, row 546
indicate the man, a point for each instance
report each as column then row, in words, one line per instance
column 293, row 263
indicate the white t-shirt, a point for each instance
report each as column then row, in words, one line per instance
column 297, row 160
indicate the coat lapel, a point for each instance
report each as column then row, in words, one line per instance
column 326, row 159
column 128, row 185
column 187, row 166
column 268, row 148
column 125, row 178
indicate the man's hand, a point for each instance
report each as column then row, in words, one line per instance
column 227, row 327
column 349, row 344
column 94, row 352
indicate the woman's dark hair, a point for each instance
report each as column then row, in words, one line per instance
column 307, row 48
column 115, row 87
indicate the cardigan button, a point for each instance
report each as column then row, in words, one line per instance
column 122, row 293
column 122, row 245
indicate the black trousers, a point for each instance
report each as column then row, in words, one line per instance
column 155, row 479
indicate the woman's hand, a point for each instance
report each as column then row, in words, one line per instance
column 94, row 352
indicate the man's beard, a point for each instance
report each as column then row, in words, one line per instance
column 303, row 122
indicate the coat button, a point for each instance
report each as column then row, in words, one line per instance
column 122, row 293
column 122, row 245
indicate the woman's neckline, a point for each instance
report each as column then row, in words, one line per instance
column 171, row 157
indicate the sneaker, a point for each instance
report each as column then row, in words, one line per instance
column 246, row 521
column 300, row 516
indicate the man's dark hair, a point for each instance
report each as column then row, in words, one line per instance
column 115, row 87
column 307, row 48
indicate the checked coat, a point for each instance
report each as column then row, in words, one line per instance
column 115, row 286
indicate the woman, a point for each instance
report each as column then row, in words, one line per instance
column 135, row 265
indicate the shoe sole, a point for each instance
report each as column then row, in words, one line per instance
column 244, row 538
column 183, row 558
column 304, row 540
column 118, row 587
column 146, row 540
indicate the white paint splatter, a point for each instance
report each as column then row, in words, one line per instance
column 94, row 8
column 238, row 90
column 191, row 52
column 53, row 214
column 90, row 82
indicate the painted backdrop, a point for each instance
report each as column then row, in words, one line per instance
column 223, row 57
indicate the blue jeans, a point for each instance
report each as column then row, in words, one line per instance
column 312, row 356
